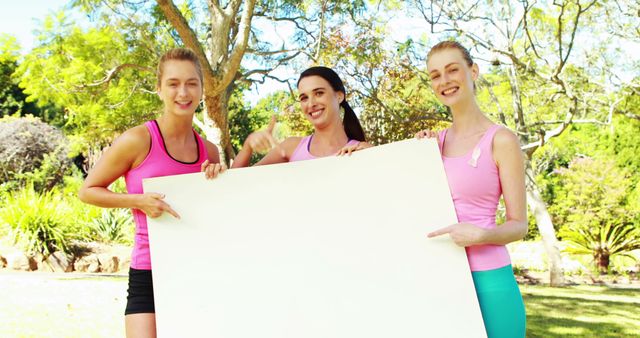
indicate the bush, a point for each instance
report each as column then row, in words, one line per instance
column 31, row 150
column 113, row 226
column 603, row 243
column 36, row 220
column 44, row 222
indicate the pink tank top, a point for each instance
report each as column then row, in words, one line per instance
column 301, row 153
column 157, row 163
column 475, row 189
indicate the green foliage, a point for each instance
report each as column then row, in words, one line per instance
column 12, row 99
column 36, row 220
column 603, row 243
column 291, row 120
column 614, row 149
column 592, row 193
column 103, row 76
column 112, row 226
column 48, row 221
column 393, row 92
column 33, row 151
column 243, row 121
column 592, row 209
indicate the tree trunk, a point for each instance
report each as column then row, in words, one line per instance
column 217, row 111
column 545, row 227
column 602, row 260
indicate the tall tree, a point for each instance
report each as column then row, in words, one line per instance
column 266, row 34
column 104, row 83
column 12, row 98
column 385, row 79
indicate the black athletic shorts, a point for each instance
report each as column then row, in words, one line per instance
column 140, row 293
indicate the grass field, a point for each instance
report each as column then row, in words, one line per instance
column 72, row 305
column 582, row 311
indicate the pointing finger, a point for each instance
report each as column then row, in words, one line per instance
column 440, row 232
column 171, row 211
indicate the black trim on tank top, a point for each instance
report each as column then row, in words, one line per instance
column 309, row 144
column 164, row 145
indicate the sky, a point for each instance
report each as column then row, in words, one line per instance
column 22, row 17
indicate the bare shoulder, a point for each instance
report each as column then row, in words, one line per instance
column 290, row 143
column 505, row 139
column 212, row 151
column 134, row 139
column 132, row 146
column 506, row 146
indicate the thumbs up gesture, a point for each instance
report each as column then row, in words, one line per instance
column 262, row 141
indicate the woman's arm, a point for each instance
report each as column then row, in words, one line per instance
column 128, row 151
column 279, row 153
column 261, row 141
column 510, row 162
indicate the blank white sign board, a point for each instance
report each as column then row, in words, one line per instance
column 333, row 247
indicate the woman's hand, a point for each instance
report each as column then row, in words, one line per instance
column 348, row 149
column 262, row 140
column 463, row 234
column 153, row 206
column 426, row 133
column 211, row 170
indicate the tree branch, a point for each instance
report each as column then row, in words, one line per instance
column 545, row 136
column 231, row 66
column 114, row 71
column 321, row 33
column 188, row 36
column 214, row 8
column 232, row 8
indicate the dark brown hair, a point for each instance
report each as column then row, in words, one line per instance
column 350, row 121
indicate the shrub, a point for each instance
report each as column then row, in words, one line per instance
column 603, row 243
column 113, row 226
column 31, row 150
column 36, row 220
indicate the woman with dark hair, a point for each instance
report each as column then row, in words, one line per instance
column 322, row 96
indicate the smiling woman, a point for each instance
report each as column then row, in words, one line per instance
column 162, row 147
column 337, row 131
column 483, row 162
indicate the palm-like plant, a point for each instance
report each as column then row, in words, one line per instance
column 604, row 242
column 36, row 220
column 112, row 225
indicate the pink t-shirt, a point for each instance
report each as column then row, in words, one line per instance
column 301, row 153
column 157, row 163
column 475, row 187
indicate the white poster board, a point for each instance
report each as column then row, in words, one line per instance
column 333, row 247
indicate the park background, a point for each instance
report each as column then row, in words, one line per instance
column 563, row 75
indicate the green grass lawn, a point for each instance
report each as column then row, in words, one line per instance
column 582, row 311
column 55, row 305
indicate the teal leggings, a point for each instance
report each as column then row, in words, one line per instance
column 500, row 302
